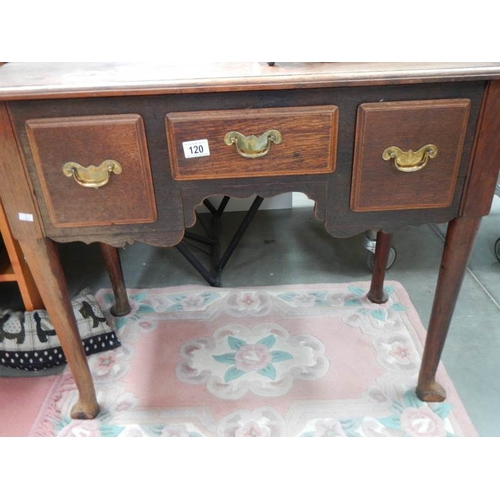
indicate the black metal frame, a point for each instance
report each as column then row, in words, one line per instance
column 212, row 241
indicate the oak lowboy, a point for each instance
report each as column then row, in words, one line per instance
column 125, row 152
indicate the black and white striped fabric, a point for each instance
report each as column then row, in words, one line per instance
column 28, row 340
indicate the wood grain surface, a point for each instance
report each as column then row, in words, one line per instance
column 127, row 198
column 65, row 107
column 16, row 189
column 409, row 125
column 176, row 200
column 309, row 142
column 62, row 80
column 18, row 269
column 485, row 165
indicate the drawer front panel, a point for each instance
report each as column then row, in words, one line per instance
column 94, row 171
column 306, row 142
column 407, row 154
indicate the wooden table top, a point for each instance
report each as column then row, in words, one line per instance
column 61, row 80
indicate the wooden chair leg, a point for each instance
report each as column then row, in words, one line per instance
column 382, row 249
column 43, row 259
column 19, row 270
column 457, row 249
column 114, row 267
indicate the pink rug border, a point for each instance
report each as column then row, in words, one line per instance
column 47, row 400
column 466, row 424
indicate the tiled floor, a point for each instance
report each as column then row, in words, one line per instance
column 290, row 246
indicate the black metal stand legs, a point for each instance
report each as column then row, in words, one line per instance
column 212, row 241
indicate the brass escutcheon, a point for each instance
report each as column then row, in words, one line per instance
column 253, row 146
column 92, row 176
column 410, row 161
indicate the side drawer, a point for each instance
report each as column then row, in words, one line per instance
column 253, row 143
column 93, row 170
column 407, row 154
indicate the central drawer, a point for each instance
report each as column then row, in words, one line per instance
column 252, row 143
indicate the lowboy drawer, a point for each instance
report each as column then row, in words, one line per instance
column 253, row 143
column 407, row 154
column 93, row 170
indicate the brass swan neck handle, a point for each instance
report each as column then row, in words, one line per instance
column 92, row 176
column 410, row 161
column 252, row 146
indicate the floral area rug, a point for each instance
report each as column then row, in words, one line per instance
column 302, row 360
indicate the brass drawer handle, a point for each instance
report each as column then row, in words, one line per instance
column 92, row 176
column 253, row 146
column 410, row 161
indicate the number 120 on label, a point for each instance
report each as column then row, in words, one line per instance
column 194, row 149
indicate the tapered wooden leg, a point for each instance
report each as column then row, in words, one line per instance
column 43, row 260
column 457, row 249
column 382, row 249
column 114, row 267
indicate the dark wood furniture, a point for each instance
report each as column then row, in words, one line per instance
column 117, row 153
